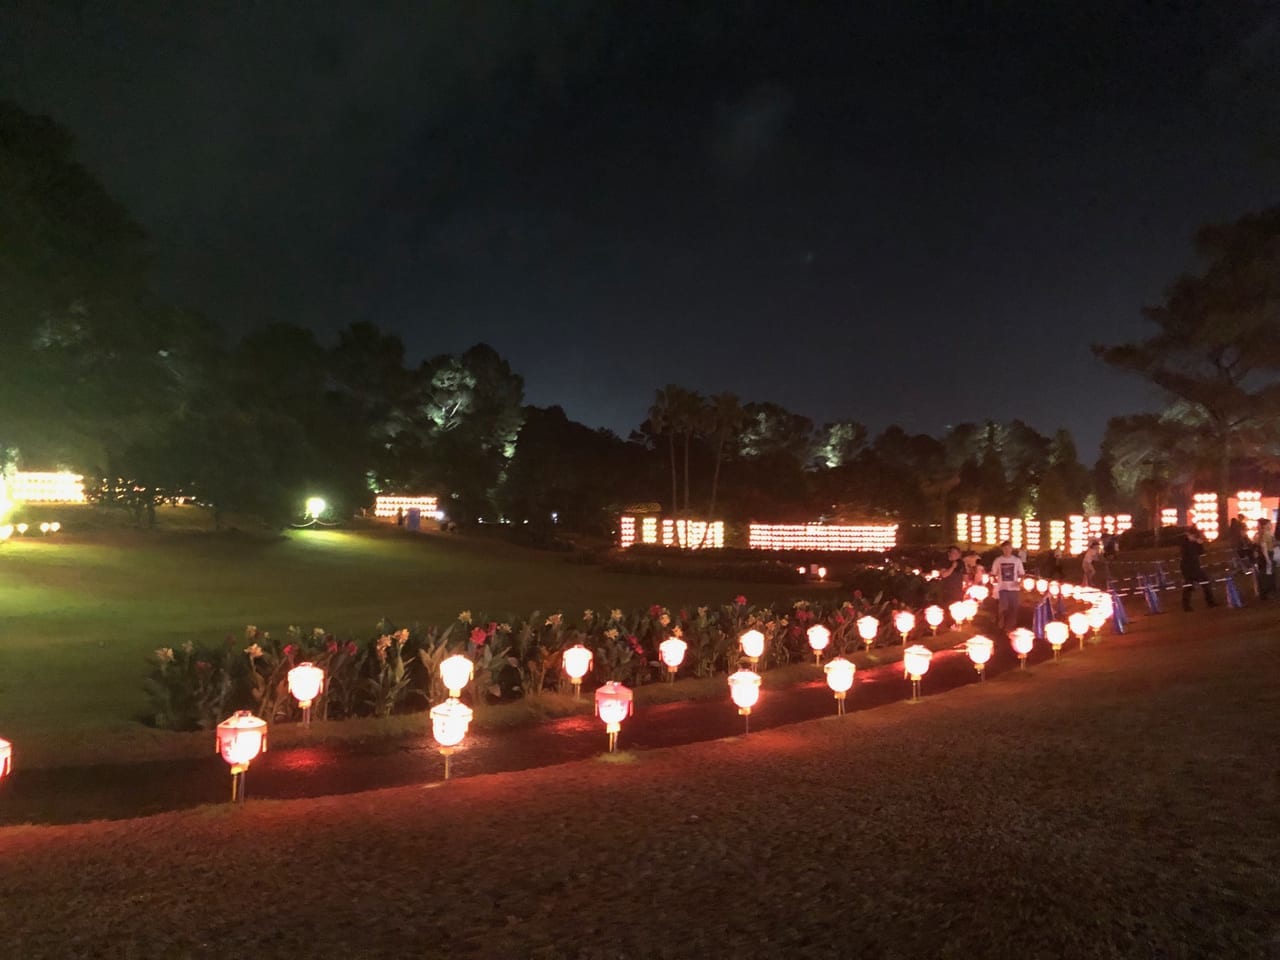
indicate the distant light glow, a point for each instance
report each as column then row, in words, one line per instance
column 316, row 507
column 386, row 507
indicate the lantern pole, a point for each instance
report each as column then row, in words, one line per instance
column 446, row 752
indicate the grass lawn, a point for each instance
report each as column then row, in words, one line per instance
column 1119, row 804
column 80, row 612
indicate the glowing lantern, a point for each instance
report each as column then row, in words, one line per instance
column 1054, row 589
column 958, row 611
column 613, row 705
column 22, row 529
column 933, row 616
column 904, row 621
column 979, row 649
column 1056, row 633
column 1097, row 617
column 241, row 737
column 1022, row 640
column 916, row 661
column 978, row 592
column 672, row 651
column 840, row 673
column 744, row 688
column 1028, row 584
column 55, row 527
column 306, row 680
column 315, row 507
column 456, row 672
column 819, row 637
column 1042, row 586
column 6, row 758
column 822, row 573
column 577, row 661
column 1079, row 625
column 752, row 646
column 1068, row 589
column 802, row 570
column 6, row 531
column 44, row 528
column 868, row 627
column 449, row 722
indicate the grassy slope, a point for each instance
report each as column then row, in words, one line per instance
column 1119, row 804
column 80, row 613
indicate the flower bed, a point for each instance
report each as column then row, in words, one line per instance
column 397, row 670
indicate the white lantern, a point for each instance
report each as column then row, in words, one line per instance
column 904, row 621
column 868, row 628
column 1042, row 586
column 959, row 612
column 672, row 651
column 1079, row 625
column 577, row 661
column 456, row 672
column 979, row 592
column 1097, row 617
column 1056, row 633
column 241, row 738
column 752, row 645
column 744, row 689
column 979, row 649
column 1022, row 641
column 449, row 723
column 933, row 616
column 306, row 681
column 915, row 659
column 819, row 637
column 614, row 703
column 840, row 673
column 6, row 758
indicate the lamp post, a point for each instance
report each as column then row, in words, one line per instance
column 868, row 627
column 1055, row 631
column 904, row 621
column 241, row 738
column 916, row 661
column 306, row 681
column 1079, row 625
column 752, row 643
column 979, row 649
column 449, row 722
column 744, row 689
column 672, row 651
column 1097, row 617
column 819, row 637
column 456, row 672
column 577, row 661
column 614, row 703
column 840, row 673
column 1022, row 641
column 933, row 616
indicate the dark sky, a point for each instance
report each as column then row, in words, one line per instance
column 891, row 212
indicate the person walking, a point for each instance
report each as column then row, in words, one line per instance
column 1007, row 572
column 1087, row 561
column 951, row 578
column 1266, row 559
column 1192, row 549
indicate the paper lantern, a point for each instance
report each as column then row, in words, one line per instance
column 671, row 651
column 449, row 723
column 979, row 592
column 840, row 673
column 315, row 507
column 1097, row 617
column 933, row 616
column 979, row 649
column 819, row 637
column 240, row 740
column 1042, row 586
column 1056, row 633
column 868, row 628
column 1054, row 588
column 1079, row 625
column 55, row 527
column 6, row 758
column 822, row 573
column 306, row 681
column 1028, row 584
column 915, row 659
column 1022, row 640
column 614, row 703
column 456, row 672
column 904, row 621
column 1068, row 589
column 576, row 661
column 752, row 645
column 744, row 689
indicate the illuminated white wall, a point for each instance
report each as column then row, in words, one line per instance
column 386, row 507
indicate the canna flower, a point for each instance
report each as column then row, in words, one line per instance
column 615, row 615
column 553, row 620
column 188, row 647
column 588, row 616
column 402, row 636
column 611, row 634
column 254, row 651
column 464, row 616
column 664, row 620
column 504, row 628
column 165, row 655
column 740, row 600
column 478, row 636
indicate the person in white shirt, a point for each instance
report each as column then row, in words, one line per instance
column 1007, row 573
column 1087, row 561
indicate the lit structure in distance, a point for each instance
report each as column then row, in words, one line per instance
column 387, row 507
column 835, row 538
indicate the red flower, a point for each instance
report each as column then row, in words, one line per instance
column 289, row 650
column 655, row 611
column 478, row 636
column 202, row 666
column 839, row 619
column 351, row 649
column 740, row 600
column 491, row 628
column 857, row 594
column 332, row 645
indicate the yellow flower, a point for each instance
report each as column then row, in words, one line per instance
column 615, row 615
column 254, row 651
column 553, row 620
column 611, row 634
column 464, row 616
column 664, row 619
column 588, row 615
column 165, row 655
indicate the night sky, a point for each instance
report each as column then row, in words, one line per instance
column 912, row 214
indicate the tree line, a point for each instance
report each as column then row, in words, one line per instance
column 100, row 374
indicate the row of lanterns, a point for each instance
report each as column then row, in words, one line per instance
column 242, row 737
column 9, row 529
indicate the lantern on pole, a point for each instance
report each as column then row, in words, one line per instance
column 819, row 637
column 979, row 649
column 456, row 672
column 933, row 616
column 752, row 643
column 1028, row 584
column 1042, row 586
column 868, row 627
column 306, row 681
column 1054, row 588
column 915, row 659
column 1055, row 631
column 6, row 758
column 614, row 703
column 959, row 612
column 1068, row 589
column 979, row 592
column 840, row 673
column 904, row 621
column 449, row 722
column 1097, row 617
column 744, row 688
column 1022, row 641
column 1079, row 625
column 576, row 661
column 671, row 651
column 241, row 738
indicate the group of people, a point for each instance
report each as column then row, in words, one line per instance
column 964, row 570
column 1258, row 554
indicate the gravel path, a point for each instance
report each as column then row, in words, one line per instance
column 1122, row 803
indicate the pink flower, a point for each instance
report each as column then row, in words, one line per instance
column 655, row 611
column 332, row 645
column 740, row 600
column 478, row 636
column 351, row 649
column 289, row 650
